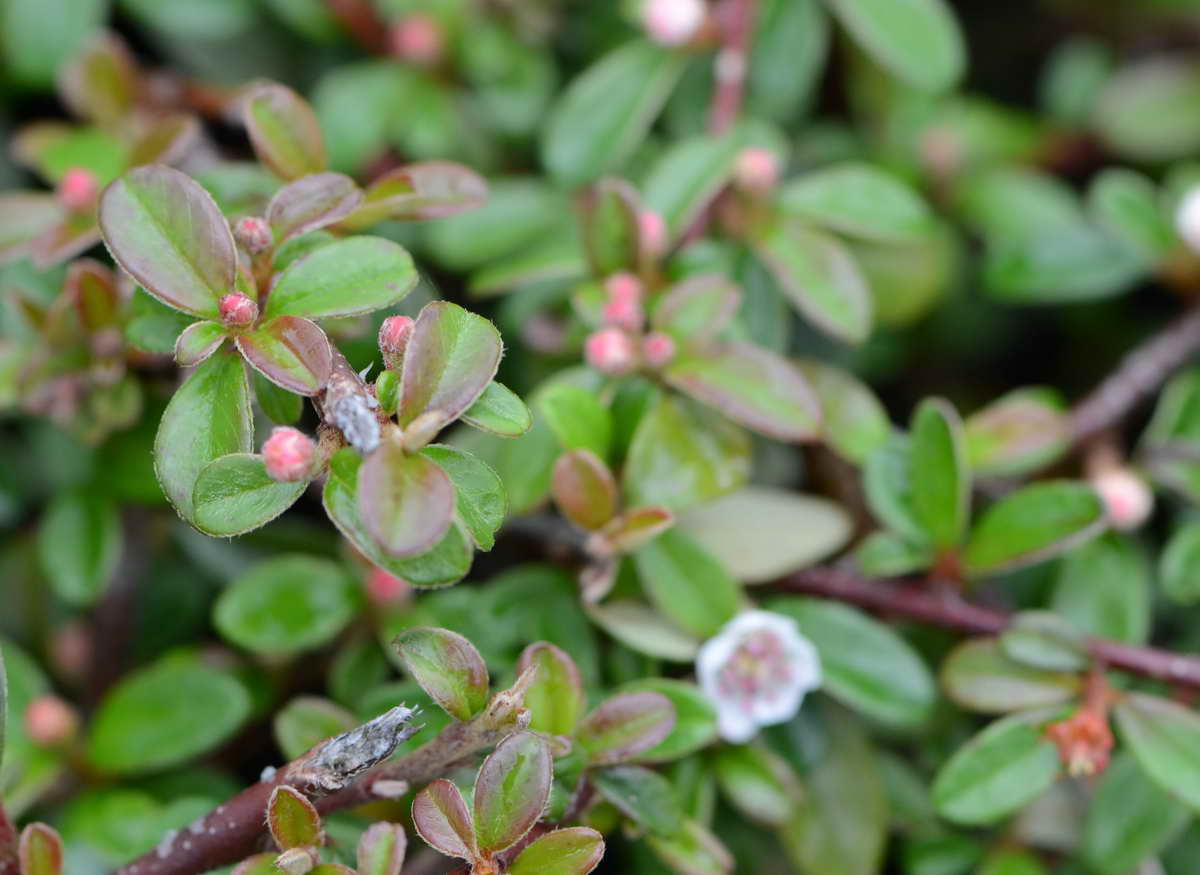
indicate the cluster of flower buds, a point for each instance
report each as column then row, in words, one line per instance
column 78, row 190
column 237, row 310
column 673, row 22
column 1084, row 742
column 393, row 340
column 289, row 455
column 622, row 345
column 254, row 234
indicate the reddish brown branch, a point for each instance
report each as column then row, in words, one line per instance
column 736, row 23
column 1140, row 373
column 8, row 844
column 950, row 611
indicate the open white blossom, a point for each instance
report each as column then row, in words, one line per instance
column 756, row 671
column 672, row 22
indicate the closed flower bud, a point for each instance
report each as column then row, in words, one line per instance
column 418, row 40
column 1084, row 742
column 393, row 340
column 387, row 589
column 78, row 190
column 254, row 234
column 658, row 349
column 288, row 455
column 50, row 722
column 237, row 310
column 653, row 231
column 672, row 22
column 295, row 861
column 624, row 305
column 610, row 351
column 1127, row 498
column 756, row 170
column 1187, row 219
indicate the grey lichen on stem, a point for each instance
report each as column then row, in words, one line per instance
column 349, row 406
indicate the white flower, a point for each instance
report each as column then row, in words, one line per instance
column 672, row 22
column 756, row 671
column 1187, row 219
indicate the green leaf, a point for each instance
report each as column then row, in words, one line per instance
column 863, row 662
column 941, row 481
column 441, row 818
column 40, row 851
column 682, row 455
column 555, row 697
column 686, row 178
column 79, row 545
column 692, row 849
column 164, row 715
column 407, row 502
column 292, row 819
column 687, row 584
column 197, row 342
column 311, row 202
column 1043, row 639
column 1103, row 588
column 448, row 668
column 1126, row 204
column 38, row 39
column 25, row 216
column 1018, row 433
column 1165, row 738
column 573, row 851
column 284, row 131
column 998, row 771
column 698, row 309
column 286, row 605
column 1034, row 524
column 291, row 352
column 853, row 421
column 888, row 554
column 759, row 783
column 791, row 45
column 479, row 497
column 584, row 489
column 1148, row 111
column 446, row 563
column 695, row 719
column 577, row 417
column 977, row 675
column 1006, row 862
column 645, row 797
column 208, row 417
column 1128, row 819
column 624, row 726
column 153, row 326
column 820, row 278
column 609, row 224
column 1179, row 565
column 918, row 41
column 428, row 190
column 451, row 358
column 500, row 411
column 306, row 721
column 233, row 495
column 511, row 790
column 603, row 114
column 519, row 213
column 639, row 627
column 278, row 404
column 3, row 707
column 1076, row 263
column 858, row 200
column 168, row 234
column 381, row 849
column 352, row 276
column 753, row 387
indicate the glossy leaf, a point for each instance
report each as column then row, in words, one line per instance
column 555, row 697
column 1164, row 736
column 448, row 668
column 234, row 495
column 381, row 849
column 346, row 278
column 407, row 502
column 79, row 545
column 168, row 234
column 695, row 718
column 311, row 202
column 284, row 131
column 500, row 411
column 941, row 480
column 623, row 726
column 197, row 342
column 291, row 352
column 858, row 200
column 479, row 498
column 918, row 42
column 645, row 797
column 511, row 790
column 687, row 584
column 451, row 358
column 577, row 417
column 292, row 819
column 441, row 818
column 1032, row 525
column 285, row 605
column 1104, row 589
column 979, row 676
column 576, row 850
column 584, row 489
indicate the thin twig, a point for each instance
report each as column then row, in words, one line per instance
column 736, row 22
column 951, row 611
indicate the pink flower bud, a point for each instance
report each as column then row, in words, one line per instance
column 653, row 231
column 238, row 310
column 1127, row 498
column 288, row 454
column 672, row 22
column 387, row 589
column 624, row 306
column 756, row 170
column 623, row 286
column 50, row 722
column 393, row 340
column 418, row 40
column 658, row 349
column 610, row 351
column 254, row 234
column 78, row 190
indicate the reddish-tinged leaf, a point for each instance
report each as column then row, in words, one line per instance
column 165, row 140
column 284, row 131
column 584, row 489
column 609, row 219
column 406, row 502
column 346, row 278
column 634, row 528
column 40, row 851
column 100, row 84
column 624, row 726
column 292, row 819
column 168, row 234
column 197, row 342
column 451, row 358
column 311, row 202
column 573, row 851
column 76, row 233
column 290, row 352
column 24, row 216
column 428, row 190
column 441, row 818
column 92, row 287
column 751, row 386
column 381, row 849
column 698, row 309
column 511, row 790
column 555, row 697
column 447, row 667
